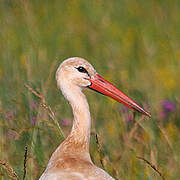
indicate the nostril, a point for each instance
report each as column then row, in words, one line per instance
column 102, row 80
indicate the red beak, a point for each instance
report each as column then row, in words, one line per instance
column 101, row 85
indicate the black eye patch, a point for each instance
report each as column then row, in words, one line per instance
column 82, row 69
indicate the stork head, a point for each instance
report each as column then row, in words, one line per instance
column 76, row 73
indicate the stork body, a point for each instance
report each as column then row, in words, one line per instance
column 71, row 160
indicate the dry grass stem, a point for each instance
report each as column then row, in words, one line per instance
column 99, row 148
column 152, row 166
column 45, row 106
column 134, row 128
column 103, row 159
column 25, row 161
column 11, row 173
column 163, row 131
column 35, row 93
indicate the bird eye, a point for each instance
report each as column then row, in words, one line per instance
column 82, row 69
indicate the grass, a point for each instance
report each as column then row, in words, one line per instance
column 134, row 44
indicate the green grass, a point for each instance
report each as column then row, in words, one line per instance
column 134, row 44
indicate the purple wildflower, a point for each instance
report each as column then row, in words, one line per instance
column 33, row 105
column 9, row 115
column 129, row 117
column 41, row 116
column 124, row 109
column 168, row 106
column 33, row 120
column 65, row 122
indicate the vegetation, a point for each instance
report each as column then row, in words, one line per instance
column 134, row 44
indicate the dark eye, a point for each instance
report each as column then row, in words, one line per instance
column 82, row 69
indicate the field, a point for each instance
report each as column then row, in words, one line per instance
column 134, row 44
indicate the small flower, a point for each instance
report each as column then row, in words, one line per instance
column 41, row 116
column 129, row 117
column 65, row 122
column 9, row 115
column 124, row 109
column 168, row 106
column 33, row 105
column 33, row 120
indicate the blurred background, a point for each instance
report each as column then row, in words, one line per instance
column 134, row 44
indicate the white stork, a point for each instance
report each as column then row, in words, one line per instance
column 71, row 160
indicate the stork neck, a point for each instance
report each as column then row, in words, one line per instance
column 80, row 133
